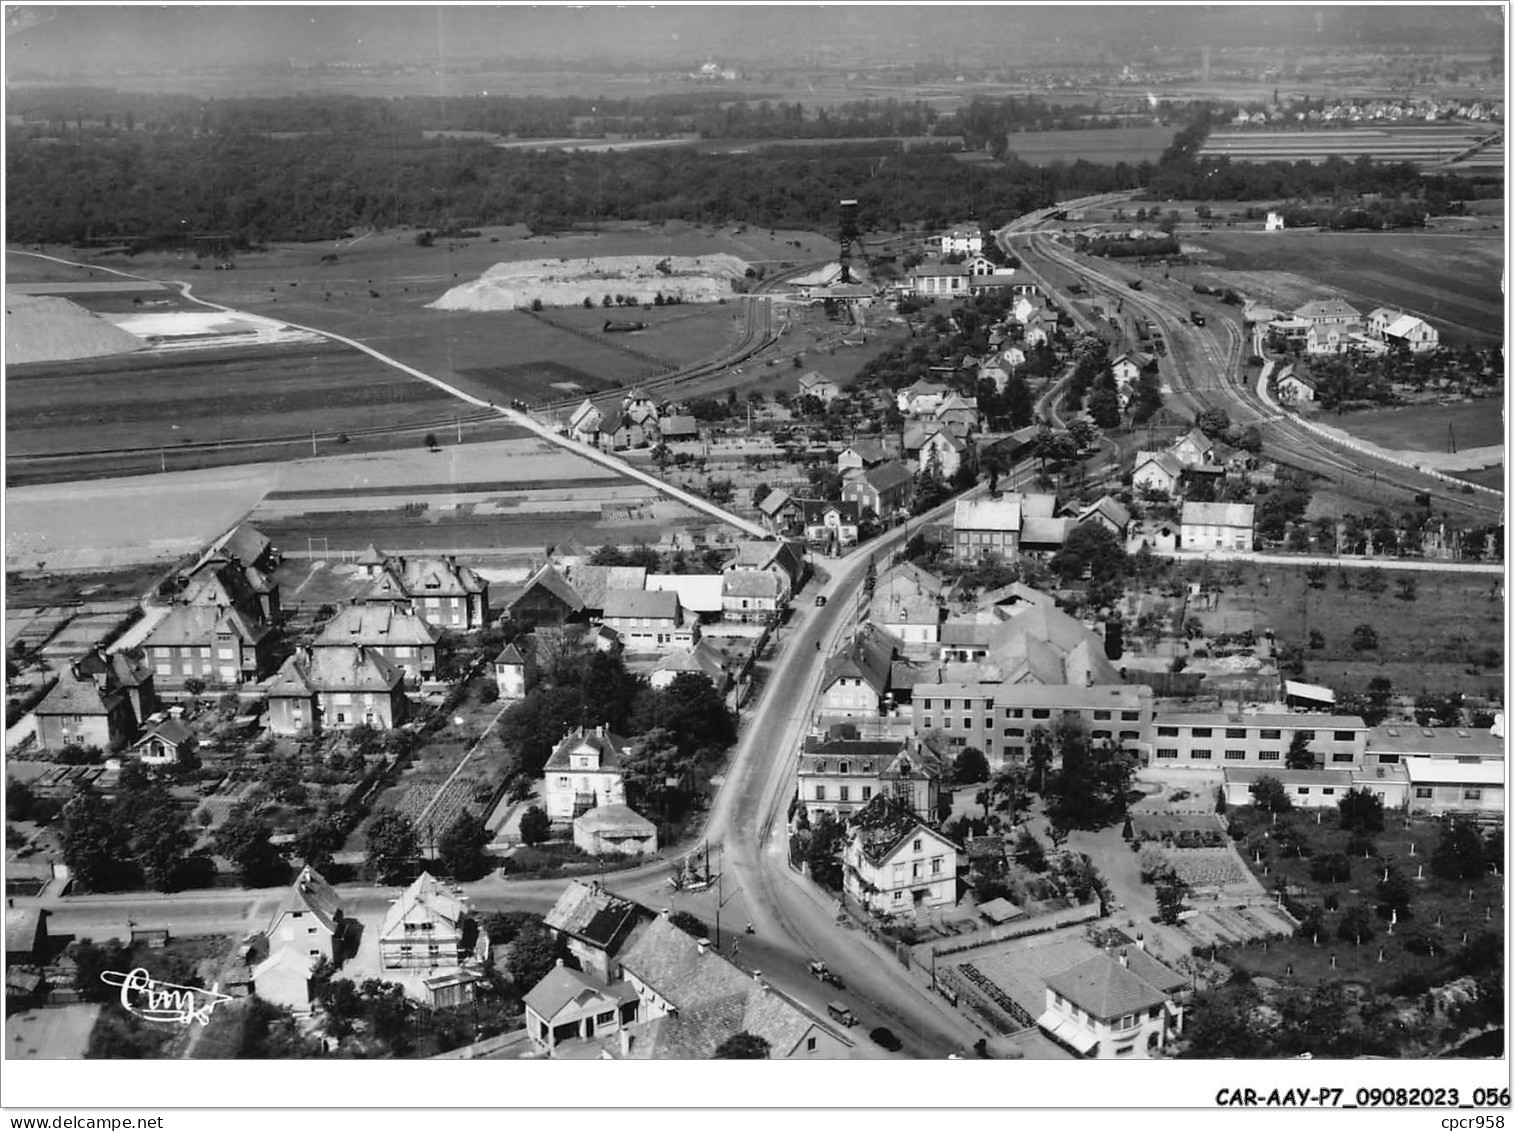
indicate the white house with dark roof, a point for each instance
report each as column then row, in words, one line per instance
column 703, row 659
column 895, row 864
column 515, row 668
column 1157, row 471
column 1115, row 1008
column 443, row 592
column 1414, row 334
column 395, row 632
column 832, row 525
column 921, row 398
column 1193, row 447
column 965, row 239
column 1216, row 526
column 584, row 772
column 816, row 384
column 855, row 680
column 88, row 709
column 165, row 741
column 584, row 424
column 309, row 918
column 1295, row 387
column 932, row 445
column 648, row 621
column 884, row 490
column 1109, row 513
column 861, row 454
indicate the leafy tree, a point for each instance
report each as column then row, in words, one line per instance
column 1300, row 756
column 1104, row 406
column 1459, row 852
column 1029, row 853
column 1407, row 587
column 1395, row 892
column 1039, row 755
column 1008, row 792
column 243, row 838
column 1091, row 789
column 160, row 840
column 654, row 762
column 1331, row 868
column 536, row 826
column 393, row 846
column 317, row 841
column 1361, row 811
column 1269, row 795
column 691, row 711
column 1364, row 638
column 1356, row 925
column 1214, row 423
column 1146, row 396
column 970, row 767
column 1170, row 892
column 823, row 854
column 462, row 846
column 742, row 1046
column 533, row 953
column 93, row 843
column 1097, row 549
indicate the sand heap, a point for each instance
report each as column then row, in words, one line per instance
column 567, row 282
column 42, row 328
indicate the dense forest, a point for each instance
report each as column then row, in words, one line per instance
column 83, row 168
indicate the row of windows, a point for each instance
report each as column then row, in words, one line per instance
column 928, row 704
column 844, row 793
column 1264, row 733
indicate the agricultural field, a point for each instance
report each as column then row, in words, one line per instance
column 1451, row 280
column 1427, row 145
column 1106, row 147
column 158, row 402
column 1450, row 637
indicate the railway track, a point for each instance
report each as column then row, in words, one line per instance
column 1206, row 373
column 758, row 334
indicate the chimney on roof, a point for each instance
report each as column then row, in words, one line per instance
column 1125, row 959
column 559, row 962
column 704, row 945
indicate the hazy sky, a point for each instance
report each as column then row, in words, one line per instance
column 75, row 41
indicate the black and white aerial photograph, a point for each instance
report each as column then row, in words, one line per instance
column 819, row 532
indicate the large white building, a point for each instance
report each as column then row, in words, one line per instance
column 896, row 865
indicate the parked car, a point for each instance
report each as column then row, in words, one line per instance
column 820, row 970
column 820, row 602
column 886, row 1039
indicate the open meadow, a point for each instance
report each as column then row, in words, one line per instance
column 1104, row 147
column 1449, row 637
column 1425, row 428
column 1425, row 144
column 1452, row 280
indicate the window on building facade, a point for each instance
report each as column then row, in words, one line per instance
column 1167, row 732
column 1307, row 735
column 1422, row 793
column 1472, row 795
column 1101, row 714
column 1342, row 757
column 916, row 847
column 820, row 793
column 1235, row 755
column 1199, row 732
column 1199, row 755
column 1130, row 716
column 1040, row 713
column 1271, row 732
column 1236, row 732
column 1328, row 791
column 1267, row 755
column 1167, row 752
column 867, row 792
column 1343, row 735
column 1099, row 734
column 845, row 794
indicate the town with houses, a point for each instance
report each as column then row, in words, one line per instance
column 968, row 717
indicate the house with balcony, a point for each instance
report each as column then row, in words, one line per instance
column 829, row 525
column 321, row 689
column 897, row 865
column 393, row 631
column 839, row 773
column 1105, row 1008
column 584, row 772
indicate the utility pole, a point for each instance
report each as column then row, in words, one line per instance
column 458, row 420
column 312, row 441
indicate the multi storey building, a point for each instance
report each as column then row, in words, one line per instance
column 1218, row 739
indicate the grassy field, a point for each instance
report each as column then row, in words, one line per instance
column 1302, row 961
column 378, row 289
column 1423, row 428
column 1426, row 144
column 1105, row 147
column 1428, row 644
column 1452, row 280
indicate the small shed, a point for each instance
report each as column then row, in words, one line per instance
column 999, row 911
column 614, row 830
